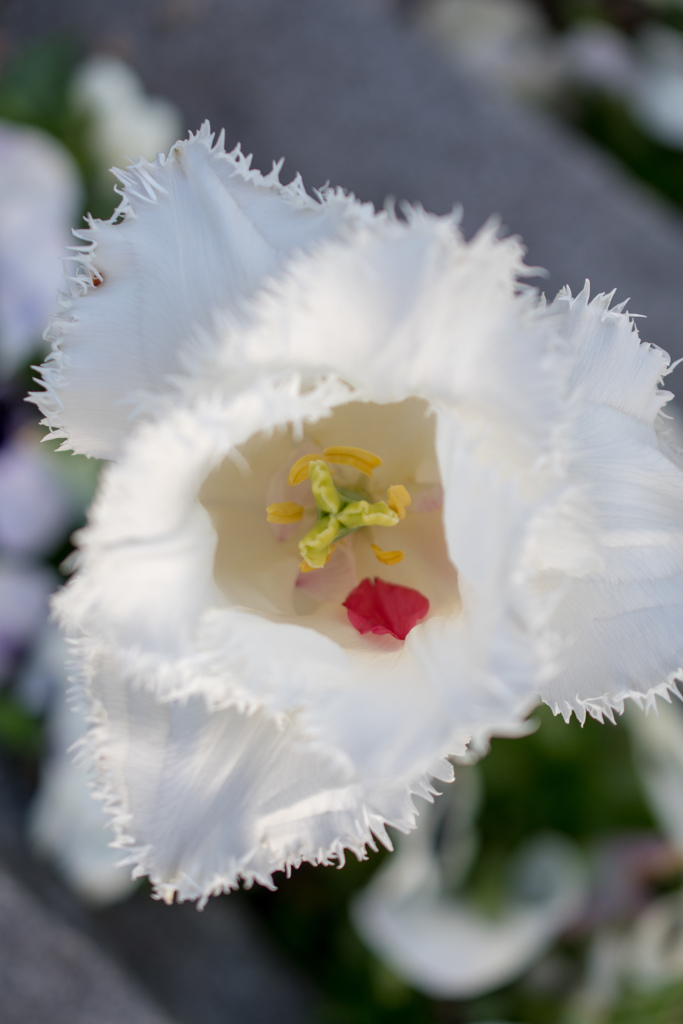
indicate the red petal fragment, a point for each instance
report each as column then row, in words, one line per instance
column 375, row 606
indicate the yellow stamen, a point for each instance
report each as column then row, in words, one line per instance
column 359, row 458
column 397, row 499
column 387, row 557
column 299, row 470
column 284, row 512
column 339, row 511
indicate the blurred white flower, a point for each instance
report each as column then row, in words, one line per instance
column 658, row 753
column 657, row 96
column 646, row 74
column 124, row 121
column 644, row 956
column 598, row 55
column 40, row 193
column 653, row 948
column 254, row 706
column 66, row 825
column 442, row 944
column 505, row 42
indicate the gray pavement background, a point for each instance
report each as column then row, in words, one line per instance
column 50, row 971
column 348, row 93
column 140, row 962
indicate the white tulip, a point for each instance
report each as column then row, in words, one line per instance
column 252, row 705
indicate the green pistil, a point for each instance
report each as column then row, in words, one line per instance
column 339, row 512
column 315, row 546
column 327, row 497
column 364, row 513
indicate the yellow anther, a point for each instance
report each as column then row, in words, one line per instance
column 359, row 458
column 397, row 499
column 299, row 470
column 387, row 557
column 284, row 512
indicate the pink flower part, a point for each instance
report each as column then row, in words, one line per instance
column 375, row 606
column 334, row 580
column 426, row 499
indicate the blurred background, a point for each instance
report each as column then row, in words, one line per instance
column 546, row 885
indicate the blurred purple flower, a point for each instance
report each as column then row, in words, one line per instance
column 35, row 507
column 24, row 591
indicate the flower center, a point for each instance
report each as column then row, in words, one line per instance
column 340, row 510
column 258, row 563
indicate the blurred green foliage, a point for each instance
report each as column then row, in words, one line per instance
column 308, row 916
column 608, row 121
column 605, row 118
column 580, row 781
column 576, row 780
column 35, row 89
column 628, row 15
column 21, row 733
column 664, row 1006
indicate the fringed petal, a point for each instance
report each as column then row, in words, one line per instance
column 397, row 308
column 148, row 584
column 242, row 724
column 65, row 825
column 195, row 231
column 621, row 624
column 203, row 800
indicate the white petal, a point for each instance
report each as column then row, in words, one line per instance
column 65, row 824
column 396, row 309
column 152, row 556
column 621, row 624
column 203, row 799
column 155, row 605
column 148, row 584
column 195, row 231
